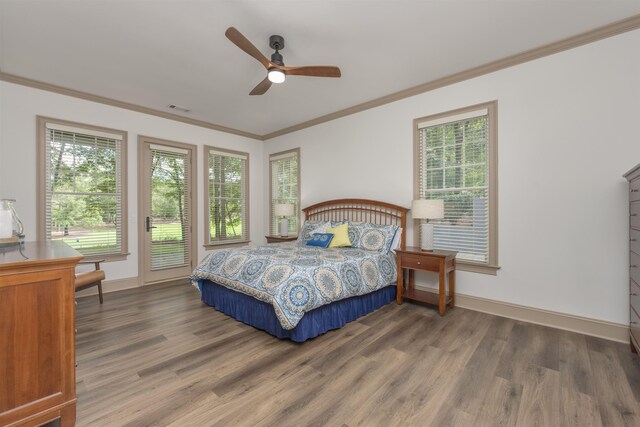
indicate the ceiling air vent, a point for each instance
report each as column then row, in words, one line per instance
column 179, row 108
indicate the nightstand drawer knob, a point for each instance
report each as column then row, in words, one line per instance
column 418, row 262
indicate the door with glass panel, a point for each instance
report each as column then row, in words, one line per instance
column 167, row 214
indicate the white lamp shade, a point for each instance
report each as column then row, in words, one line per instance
column 283, row 209
column 427, row 209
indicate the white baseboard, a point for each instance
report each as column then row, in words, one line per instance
column 583, row 325
column 112, row 286
column 568, row 322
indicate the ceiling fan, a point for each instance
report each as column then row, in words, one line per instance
column 276, row 70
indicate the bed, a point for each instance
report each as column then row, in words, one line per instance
column 295, row 291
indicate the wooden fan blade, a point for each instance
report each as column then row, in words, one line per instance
column 243, row 43
column 262, row 87
column 313, row 71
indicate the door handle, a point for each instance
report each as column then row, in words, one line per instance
column 148, row 224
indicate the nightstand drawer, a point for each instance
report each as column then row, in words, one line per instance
column 420, row 263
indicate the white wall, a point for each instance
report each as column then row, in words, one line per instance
column 567, row 131
column 19, row 106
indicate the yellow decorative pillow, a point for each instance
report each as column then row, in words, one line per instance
column 340, row 236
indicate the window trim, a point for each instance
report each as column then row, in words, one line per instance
column 207, row 217
column 281, row 153
column 41, row 141
column 193, row 189
column 492, row 266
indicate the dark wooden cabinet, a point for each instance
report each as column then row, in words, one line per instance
column 633, row 176
column 37, row 338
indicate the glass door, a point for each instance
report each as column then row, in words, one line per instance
column 167, row 214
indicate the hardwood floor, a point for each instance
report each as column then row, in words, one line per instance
column 157, row 356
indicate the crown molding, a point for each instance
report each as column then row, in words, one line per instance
column 121, row 104
column 610, row 30
column 600, row 33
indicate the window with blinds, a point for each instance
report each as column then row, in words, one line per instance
column 285, row 187
column 456, row 155
column 227, row 196
column 84, row 197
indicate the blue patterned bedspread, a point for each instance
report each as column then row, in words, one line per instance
column 296, row 279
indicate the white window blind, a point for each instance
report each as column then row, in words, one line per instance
column 83, row 189
column 228, row 195
column 285, row 175
column 453, row 165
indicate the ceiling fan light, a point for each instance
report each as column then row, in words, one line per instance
column 276, row 76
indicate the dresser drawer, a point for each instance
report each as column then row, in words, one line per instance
column 634, row 212
column 634, row 324
column 634, row 241
column 634, row 190
column 420, row 263
column 634, row 295
column 634, row 267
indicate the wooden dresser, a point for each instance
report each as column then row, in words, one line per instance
column 633, row 176
column 37, row 338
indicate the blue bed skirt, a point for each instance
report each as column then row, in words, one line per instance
column 316, row 322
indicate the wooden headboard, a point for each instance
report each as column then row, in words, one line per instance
column 359, row 210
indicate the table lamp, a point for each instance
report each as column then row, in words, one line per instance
column 427, row 209
column 284, row 210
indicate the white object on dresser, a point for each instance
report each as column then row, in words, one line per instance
column 5, row 224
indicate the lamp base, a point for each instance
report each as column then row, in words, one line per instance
column 284, row 227
column 426, row 237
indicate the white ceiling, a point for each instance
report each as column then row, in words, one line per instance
column 156, row 53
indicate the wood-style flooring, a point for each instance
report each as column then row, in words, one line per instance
column 157, row 356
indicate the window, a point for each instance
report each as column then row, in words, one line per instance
column 284, row 168
column 456, row 160
column 83, row 187
column 227, row 197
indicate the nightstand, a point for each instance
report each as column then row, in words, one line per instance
column 280, row 239
column 442, row 262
